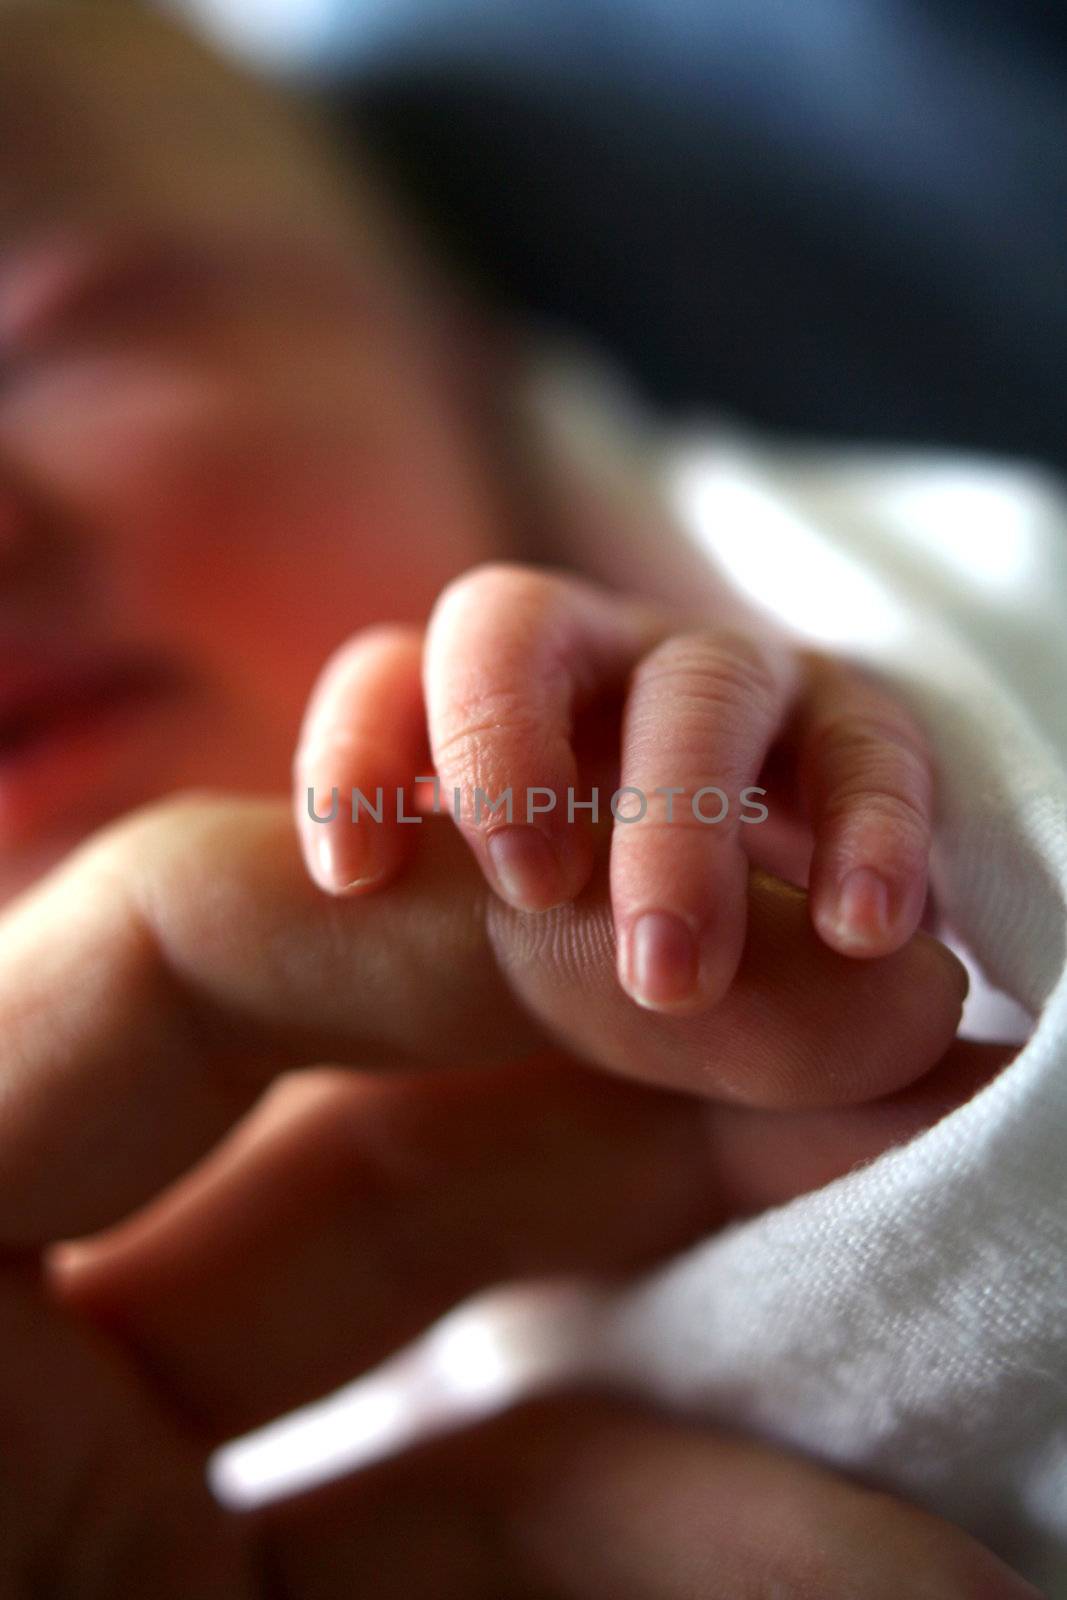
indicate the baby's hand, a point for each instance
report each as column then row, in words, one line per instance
column 519, row 676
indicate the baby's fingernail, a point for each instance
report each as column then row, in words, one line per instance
column 526, row 870
column 341, row 855
column 659, row 960
column 861, row 915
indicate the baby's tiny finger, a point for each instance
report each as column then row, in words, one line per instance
column 702, row 711
column 511, row 654
column 868, row 776
column 362, row 744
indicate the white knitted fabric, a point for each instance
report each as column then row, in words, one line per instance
column 908, row 1321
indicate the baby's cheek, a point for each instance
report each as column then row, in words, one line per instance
column 256, row 563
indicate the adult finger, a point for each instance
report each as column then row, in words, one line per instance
column 765, row 1044
column 153, row 985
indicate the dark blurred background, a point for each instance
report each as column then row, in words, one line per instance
column 832, row 217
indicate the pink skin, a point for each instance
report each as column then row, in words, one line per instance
column 511, row 658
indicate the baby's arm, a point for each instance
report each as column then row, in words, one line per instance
column 520, row 675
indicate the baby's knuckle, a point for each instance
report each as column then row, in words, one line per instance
column 894, row 813
column 856, row 736
column 714, row 672
column 722, row 696
column 870, row 766
column 680, row 822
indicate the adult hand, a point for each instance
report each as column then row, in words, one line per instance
column 149, row 990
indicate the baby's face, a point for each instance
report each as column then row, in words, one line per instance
column 212, row 470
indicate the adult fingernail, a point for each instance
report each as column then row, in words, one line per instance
column 660, row 960
column 525, row 868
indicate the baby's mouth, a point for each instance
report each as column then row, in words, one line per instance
column 47, row 714
column 38, row 706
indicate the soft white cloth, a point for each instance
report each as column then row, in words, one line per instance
column 910, row 1320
